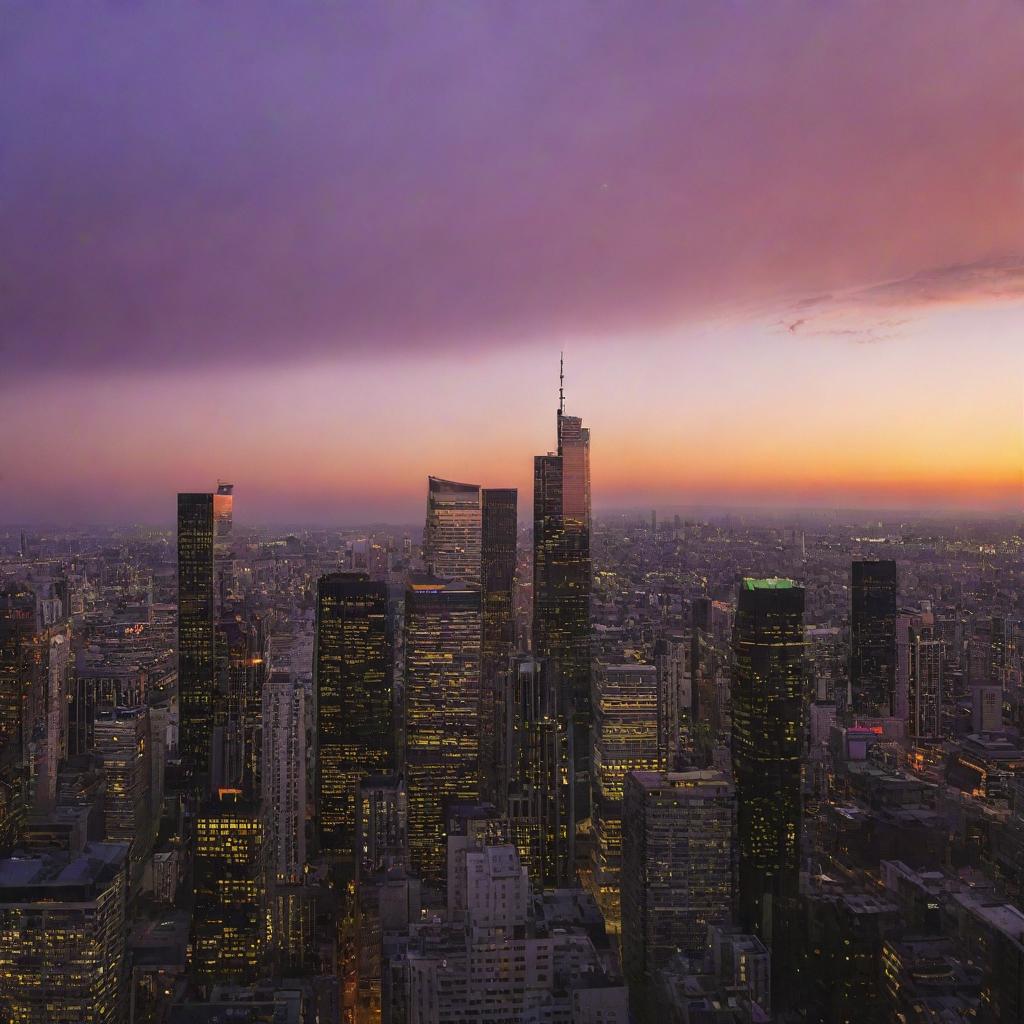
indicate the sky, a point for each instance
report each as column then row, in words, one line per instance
column 325, row 249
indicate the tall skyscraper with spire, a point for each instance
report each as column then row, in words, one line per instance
column 562, row 576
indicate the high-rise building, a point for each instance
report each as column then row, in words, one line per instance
column 534, row 790
column 284, row 776
column 497, row 572
column 919, row 670
column 442, row 710
column 673, row 661
column 18, row 627
column 62, row 937
column 873, row 639
column 382, row 825
column 223, row 509
column 767, row 738
column 452, row 536
column 353, row 686
column 35, row 696
column 677, row 869
column 196, row 641
column 121, row 739
column 240, row 669
column 562, row 578
column 229, row 919
column 625, row 739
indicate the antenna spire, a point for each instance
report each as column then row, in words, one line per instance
column 561, row 383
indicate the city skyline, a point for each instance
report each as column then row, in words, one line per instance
column 711, row 210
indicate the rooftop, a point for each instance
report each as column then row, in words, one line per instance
column 771, row 583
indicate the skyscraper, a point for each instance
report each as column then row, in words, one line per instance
column 533, row 787
column 442, row 710
column 767, row 738
column 562, row 576
column 678, row 830
column 196, row 643
column 284, row 776
column 497, row 570
column 451, row 538
column 354, row 720
column 873, row 639
column 625, row 739
column 919, row 674
column 121, row 737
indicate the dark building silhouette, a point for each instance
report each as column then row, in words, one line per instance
column 352, row 679
column 196, row 640
column 497, row 573
column 767, row 740
column 562, row 576
column 873, row 639
column 534, row 789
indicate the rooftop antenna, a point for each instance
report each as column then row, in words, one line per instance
column 561, row 383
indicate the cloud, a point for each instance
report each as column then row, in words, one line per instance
column 198, row 185
column 855, row 314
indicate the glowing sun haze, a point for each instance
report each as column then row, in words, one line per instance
column 324, row 249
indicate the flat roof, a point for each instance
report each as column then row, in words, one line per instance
column 769, row 583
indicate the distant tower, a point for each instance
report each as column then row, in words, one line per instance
column 562, row 575
column 196, row 644
column 498, row 569
column 767, row 738
column 442, row 711
column 451, row 538
column 873, row 639
column 223, row 508
column 354, row 720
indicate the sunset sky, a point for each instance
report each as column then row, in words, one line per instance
column 325, row 249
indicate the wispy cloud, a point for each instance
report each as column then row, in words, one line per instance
column 881, row 312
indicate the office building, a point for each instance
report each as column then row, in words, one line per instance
column 677, row 868
column 62, row 937
column 535, row 793
column 625, row 739
column 920, row 662
column 452, row 536
column 497, row 573
column 284, row 776
column 122, row 742
column 353, row 686
column 229, row 918
column 442, row 710
column 767, row 738
column 196, row 639
column 873, row 639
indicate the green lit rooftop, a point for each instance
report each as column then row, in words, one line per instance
column 773, row 583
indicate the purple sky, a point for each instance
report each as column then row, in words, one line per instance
column 220, row 188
